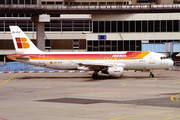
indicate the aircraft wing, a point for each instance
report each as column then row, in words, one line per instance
column 100, row 66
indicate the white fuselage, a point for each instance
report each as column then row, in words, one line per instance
column 151, row 61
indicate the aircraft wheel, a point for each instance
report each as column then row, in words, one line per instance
column 151, row 75
column 95, row 75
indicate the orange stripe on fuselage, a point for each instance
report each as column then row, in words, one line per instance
column 142, row 54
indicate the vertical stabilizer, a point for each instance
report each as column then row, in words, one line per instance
column 22, row 43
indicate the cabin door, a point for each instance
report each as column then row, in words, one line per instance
column 41, row 59
column 152, row 59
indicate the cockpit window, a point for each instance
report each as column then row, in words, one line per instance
column 162, row 58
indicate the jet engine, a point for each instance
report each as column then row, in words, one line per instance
column 114, row 71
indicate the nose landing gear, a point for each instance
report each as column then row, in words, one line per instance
column 151, row 75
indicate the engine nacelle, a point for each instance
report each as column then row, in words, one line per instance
column 115, row 71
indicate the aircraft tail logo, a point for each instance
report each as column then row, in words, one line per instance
column 21, row 42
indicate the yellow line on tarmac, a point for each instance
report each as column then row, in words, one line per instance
column 143, row 115
column 123, row 84
column 177, row 98
column 155, row 79
column 171, row 117
column 7, row 80
column 172, row 98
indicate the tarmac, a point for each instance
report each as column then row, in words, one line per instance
column 76, row 96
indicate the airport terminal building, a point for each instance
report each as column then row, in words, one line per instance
column 124, row 31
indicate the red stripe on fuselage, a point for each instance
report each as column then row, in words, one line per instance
column 133, row 54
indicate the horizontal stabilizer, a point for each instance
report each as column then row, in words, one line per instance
column 16, row 57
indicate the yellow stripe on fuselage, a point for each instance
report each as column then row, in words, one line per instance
column 142, row 54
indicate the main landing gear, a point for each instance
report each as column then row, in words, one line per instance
column 95, row 75
column 151, row 75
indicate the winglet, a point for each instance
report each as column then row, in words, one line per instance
column 22, row 43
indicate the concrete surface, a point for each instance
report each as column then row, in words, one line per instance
column 76, row 96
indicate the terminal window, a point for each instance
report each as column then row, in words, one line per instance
column 136, row 26
column 113, row 45
column 54, row 25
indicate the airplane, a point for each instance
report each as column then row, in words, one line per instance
column 112, row 63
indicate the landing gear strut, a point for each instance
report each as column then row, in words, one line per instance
column 95, row 75
column 151, row 74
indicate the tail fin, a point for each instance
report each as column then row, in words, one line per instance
column 22, row 43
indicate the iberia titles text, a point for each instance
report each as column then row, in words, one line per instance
column 119, row 55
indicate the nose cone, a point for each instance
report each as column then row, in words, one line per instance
column 171, row 63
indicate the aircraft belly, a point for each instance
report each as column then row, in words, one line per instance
column 32, row 62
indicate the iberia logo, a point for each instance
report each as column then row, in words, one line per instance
column 22, row 43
